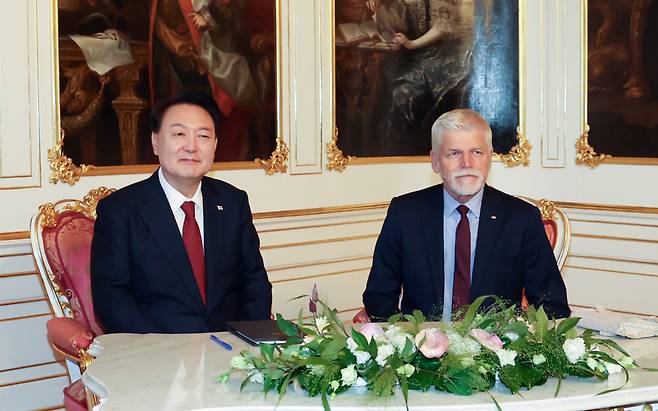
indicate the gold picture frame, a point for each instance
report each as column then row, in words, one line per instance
column 519, row 153
column 63, row 168
column 608, row 94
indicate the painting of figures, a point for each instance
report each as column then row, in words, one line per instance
column 402, row 63
column 117, row 58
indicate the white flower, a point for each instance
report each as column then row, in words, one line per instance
column 241, row 363
column 459, row 345
column 321, row 323
column 592, row 363
column 334, row 385
column 400, row 340
column 360, row 382
column 256, row 377
column 392, row 330
column 316, row 369
column 506, row 357
column 362, row 357
column 612, row 368
column 351, row 344
column 348, row 375
column 407, row 370
column 574, row 348
column 383, row 352
column 538, row 359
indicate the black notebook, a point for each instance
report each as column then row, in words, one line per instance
column 255, row 332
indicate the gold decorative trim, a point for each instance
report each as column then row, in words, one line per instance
column 316, row 263
column 86, row 206
column 597, row 269
column 24, row 317
column 608, row 207
column 278, row 161
column 585, row 153
column 615, row 238
column 330, row 274
column 337, row 161
column 14, row 235
column 321, row 210
column 624, row 223
column 547, row 209
column 29, row 380
column 62, row 167
column 615, row 259
column 323, row 241
column 519, row 154
column 18, row 274
column 305, row 227
column 609, row 309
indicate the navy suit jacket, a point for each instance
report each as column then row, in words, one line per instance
column 141, row 278
column 512, row 253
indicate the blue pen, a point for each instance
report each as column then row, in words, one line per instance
column 224, row 344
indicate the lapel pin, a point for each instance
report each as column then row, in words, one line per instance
column 220, row 208
column 493, row 217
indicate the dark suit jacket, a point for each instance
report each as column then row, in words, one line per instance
column 141, row 278
column 512, row 253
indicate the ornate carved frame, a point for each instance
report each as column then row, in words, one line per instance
column 519, row 154
column 64, row 170
column 585, row 153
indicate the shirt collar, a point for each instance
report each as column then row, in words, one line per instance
column 175, row 198
column 474, row 204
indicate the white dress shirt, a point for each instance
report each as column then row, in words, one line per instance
column 176, row 199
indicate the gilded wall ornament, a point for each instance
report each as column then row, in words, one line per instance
column 337, row 161
column 519, row 154
column 278, row 161
column 62, row 167
column 585, row 153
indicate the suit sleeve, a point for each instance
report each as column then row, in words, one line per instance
column 256, row 290
column 543, row 282
column 382, row 295
column 114, row 303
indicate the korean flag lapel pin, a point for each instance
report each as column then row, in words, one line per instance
column 493, row 217
column 220, row 207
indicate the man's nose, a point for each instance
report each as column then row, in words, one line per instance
column 467, row 160
column 191, row 143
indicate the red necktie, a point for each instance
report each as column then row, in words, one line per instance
column 461, row 287
column 194, row 247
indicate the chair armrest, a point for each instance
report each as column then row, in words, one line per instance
column 69, row 336
column 361, row 317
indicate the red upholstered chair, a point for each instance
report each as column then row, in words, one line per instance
column 558, row 231
column 61, row 236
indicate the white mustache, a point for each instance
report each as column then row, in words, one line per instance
column 467, row 172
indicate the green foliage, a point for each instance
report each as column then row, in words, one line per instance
column 325, row 358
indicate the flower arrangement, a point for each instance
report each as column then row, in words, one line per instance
column 519, row 349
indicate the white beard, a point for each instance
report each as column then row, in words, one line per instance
column 464, row 188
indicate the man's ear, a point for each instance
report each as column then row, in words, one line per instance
column 434, row 157
column 154, row 143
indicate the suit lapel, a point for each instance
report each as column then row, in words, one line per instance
column 157, row 215
column 487, row 234
column 433, row 232
column 214, row 232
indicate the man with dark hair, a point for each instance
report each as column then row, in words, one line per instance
column 178, row 252
column 451, row 243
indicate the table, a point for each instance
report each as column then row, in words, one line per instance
column 177, row 372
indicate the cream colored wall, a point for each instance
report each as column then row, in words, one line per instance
column 611, row 262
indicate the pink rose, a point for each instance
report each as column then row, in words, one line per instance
column 435, row 344
column 371, row 330
column 492, row 342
